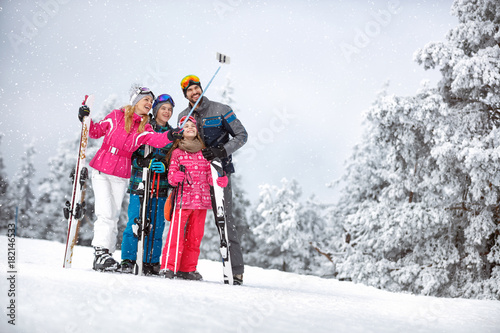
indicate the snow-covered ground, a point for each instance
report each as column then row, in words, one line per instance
column 49, row 298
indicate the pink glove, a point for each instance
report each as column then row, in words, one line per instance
column 222, row 181
column 178, row 177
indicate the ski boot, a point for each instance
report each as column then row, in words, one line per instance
column 238, row 279
column 127, row 266
column 190, row 275
column 167, row 274
column 103, row 261
column 151, row 268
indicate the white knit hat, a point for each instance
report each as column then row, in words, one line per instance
column 138, row 92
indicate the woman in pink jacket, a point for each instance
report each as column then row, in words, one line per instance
column 193, row 186
column 124, row 130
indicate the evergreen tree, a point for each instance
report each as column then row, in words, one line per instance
column 391, row 209
column 240, row 206
column 467, row 144
column 326, row 238
column 286, row 228
column 24, row 197
column 55, row 189
column 421, row 208
column 7, row 209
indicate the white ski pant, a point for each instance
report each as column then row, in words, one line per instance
column 109, row 192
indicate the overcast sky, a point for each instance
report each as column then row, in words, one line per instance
column 303, row 72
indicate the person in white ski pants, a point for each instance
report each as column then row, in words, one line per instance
column 109, row 192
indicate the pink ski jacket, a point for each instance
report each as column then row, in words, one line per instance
column 114, row 156
column 196, row 194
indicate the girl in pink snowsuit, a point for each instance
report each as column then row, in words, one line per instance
column 193, row 186
column 124, row 130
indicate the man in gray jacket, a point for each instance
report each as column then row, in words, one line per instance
column 223, row 134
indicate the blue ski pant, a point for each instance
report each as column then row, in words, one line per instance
column 153, row 241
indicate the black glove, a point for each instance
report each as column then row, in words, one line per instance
column 212, row 152
column 175, row 134
column 144, row 162
column 84, row 111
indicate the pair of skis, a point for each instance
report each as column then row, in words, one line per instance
column 143, row 223
column 74, row 209
column 221, row 221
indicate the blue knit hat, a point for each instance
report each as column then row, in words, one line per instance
column 160, row 100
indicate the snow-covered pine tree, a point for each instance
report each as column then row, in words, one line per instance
column 422, row 203
column 391, row 209
column 54, row 190
column 7, row 209
column 23, row 196
column 326, row 239
column 285, row 228
column 240, row 206
column 467, row 143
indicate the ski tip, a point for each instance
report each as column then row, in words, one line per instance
column 223, row 59
column 89, row 100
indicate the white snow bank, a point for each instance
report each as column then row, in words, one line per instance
column 49, row 298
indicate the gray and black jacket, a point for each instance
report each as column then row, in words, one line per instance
column 217, row 124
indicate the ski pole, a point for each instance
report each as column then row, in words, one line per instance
column 183, row 169
column 223, row 60
column 144, row 206
column 171, row 228
column 156, row 178
column 152, row 224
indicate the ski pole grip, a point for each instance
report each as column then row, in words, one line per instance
column 182, row 168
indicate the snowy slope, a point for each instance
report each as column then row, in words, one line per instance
column 52, row 299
